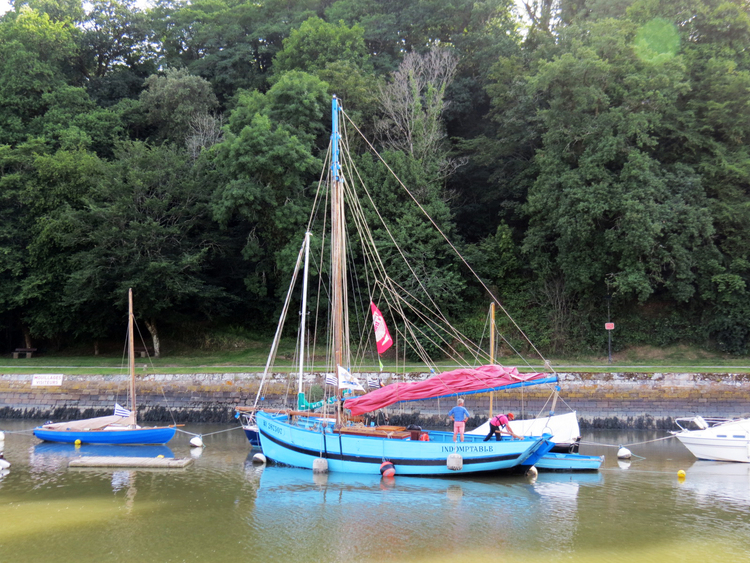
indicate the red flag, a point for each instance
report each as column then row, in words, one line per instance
column 382, row 336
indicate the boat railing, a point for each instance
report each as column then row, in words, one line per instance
column 689, row 423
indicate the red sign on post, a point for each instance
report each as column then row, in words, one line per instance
column 609, row 326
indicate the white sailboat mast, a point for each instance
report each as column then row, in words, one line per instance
column 304, row 311
column 131, row 357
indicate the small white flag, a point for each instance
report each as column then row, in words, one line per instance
column 348, row 381
column 121, row 411
column 331, row 379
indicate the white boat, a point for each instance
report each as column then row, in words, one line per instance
column 566, row 434
column 120, row 428
column 715, row 439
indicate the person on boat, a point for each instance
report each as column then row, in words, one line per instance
column 459, row 415
column 501, row 421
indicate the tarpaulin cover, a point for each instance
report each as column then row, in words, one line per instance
column 458, row 381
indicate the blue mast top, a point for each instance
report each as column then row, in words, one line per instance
column 335, row 138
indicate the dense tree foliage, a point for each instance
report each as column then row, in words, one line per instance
column 585, row 155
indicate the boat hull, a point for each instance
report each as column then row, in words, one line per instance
column 253, row 435
column 566, row 433
column 128, row 436
column 286, row 443
column 569, row 462
column 725, row 442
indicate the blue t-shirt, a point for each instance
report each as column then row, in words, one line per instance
column 459, row 413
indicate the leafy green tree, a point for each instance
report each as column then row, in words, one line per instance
column 266, row 161
column 318, row 43
column 145, row 228
column 173, row 100
column 34, row 54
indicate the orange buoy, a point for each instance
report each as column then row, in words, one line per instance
column 387, row 469
column 424, row 437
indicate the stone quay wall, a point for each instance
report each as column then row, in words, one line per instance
column 602, row 400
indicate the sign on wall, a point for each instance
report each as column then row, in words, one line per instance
column 46, row 379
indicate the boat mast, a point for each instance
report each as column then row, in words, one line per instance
column 492, row 346
column 338, row 246
column 304, row 312
column 131, row 357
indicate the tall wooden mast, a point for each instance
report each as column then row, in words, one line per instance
column 131, row 357
column 338, row 248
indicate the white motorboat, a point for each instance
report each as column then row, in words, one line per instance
column 715, row 439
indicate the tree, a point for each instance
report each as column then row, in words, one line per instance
column 266, row 162
column 317, row 43
column 413, row 103
column 172, row 101
column 145, row 228
column 34, row 52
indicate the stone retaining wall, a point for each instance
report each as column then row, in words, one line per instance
column 602, row 400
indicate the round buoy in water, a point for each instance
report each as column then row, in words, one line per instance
column 159, row 456
column 77, row 442
column 532, row 472
column 623, row 453
column 320, row 465
column 680, row 474
column 455, row 462
column 196, row 441
column 2, row 436
column 387, row 469
column 259, row 458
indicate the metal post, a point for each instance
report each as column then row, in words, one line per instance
column 609, row 332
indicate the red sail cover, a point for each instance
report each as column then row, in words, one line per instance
column 464, row 380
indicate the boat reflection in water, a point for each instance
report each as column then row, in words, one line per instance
column 47, row 456
column 413, row 511
column 717, row 483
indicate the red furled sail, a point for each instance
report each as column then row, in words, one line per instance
column 458, row 381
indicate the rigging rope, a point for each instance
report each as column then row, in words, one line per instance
column 460, row 256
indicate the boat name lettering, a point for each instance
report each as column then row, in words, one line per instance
column 467, row 449
column 275, row 428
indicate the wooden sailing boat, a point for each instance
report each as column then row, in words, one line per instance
column 113, row 429
column 317, row 440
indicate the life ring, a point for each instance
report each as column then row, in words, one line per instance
column 424, row 437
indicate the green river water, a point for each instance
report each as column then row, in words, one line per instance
column 223, row 508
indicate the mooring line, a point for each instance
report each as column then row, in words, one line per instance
column 582, row 442
column 17, row 431
column 210, row 433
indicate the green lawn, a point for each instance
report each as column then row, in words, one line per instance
column 253, row 359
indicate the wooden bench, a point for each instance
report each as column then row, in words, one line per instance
column 28, row 351
column 143, row 351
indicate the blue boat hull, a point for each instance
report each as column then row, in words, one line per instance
column 569, row 462
column 289, row 444
column 112, row 437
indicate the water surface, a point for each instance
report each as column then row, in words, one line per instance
column 225, row 508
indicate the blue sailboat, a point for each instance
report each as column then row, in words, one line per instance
column 338, row 441
column 119, row 429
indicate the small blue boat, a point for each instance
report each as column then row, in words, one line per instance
column 118, row 429
column 569, row 462
column 120, row 436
